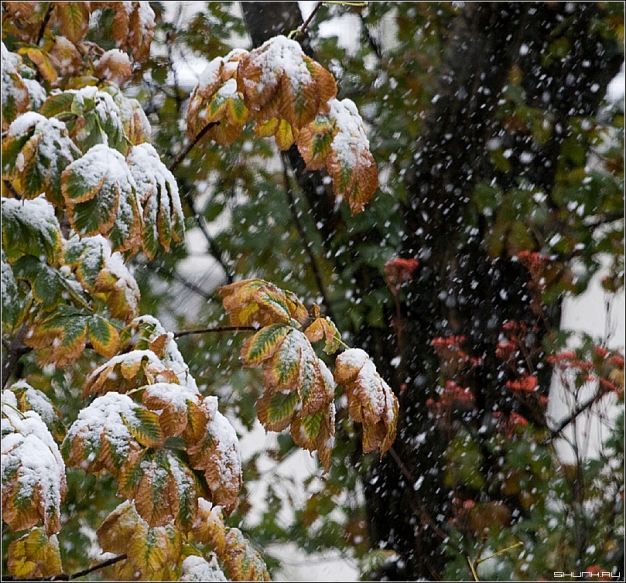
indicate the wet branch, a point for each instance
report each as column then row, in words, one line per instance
column 216, row 252
column 15, row 351
column 420, row 511
column 181, row 333
column 65, row 577
column 575, row 414
column 191, row 144
column 44, row 24
column 308, row 245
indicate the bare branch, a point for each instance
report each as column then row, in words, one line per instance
column 65, row 577
column 181, row 333
column 15, row 351
column 308, row 246
column 191, row 144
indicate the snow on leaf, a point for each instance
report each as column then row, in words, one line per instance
column 143, row 331
column 92, row 116
column 216, row 100
column 33, row 471
column 15, row 96
column 197, row 568
column 14, row 303
column 30, row 227
column 34, row 555
column 35, row 152
column 370, row 400
column 149, row 549
column 100, row 193
column 101, row 437
column 163, row 219
column 29, row 398
column 100, row 271
column 209, row 527
column 279, row 80
column 114, row 66
column 242, row 560
column 128, row 371
column 133, row 27
column 350, row 163
column 216, row 452
column 174, row 402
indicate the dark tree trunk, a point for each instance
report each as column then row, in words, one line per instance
column 459, row 289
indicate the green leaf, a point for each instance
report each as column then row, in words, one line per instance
column 30, row 227
column 264, row 343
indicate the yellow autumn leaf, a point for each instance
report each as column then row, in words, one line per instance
column 278, row 80
column 217, row 453
column 72, row 19
column 34, row 555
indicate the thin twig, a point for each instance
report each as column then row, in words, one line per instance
column 44, row 23
column 181, row 333
column 300, row 30
column 308, row 246
column 574, row 415
column 16, row 350
column 420, row 512
column 216, row 252
column 191, row 144
column 65, row 577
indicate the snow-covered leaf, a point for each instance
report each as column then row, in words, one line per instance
column 277, row 80
column 15, row 96
column 101, row 437
column 133, row 27
column 35, row 151
column 30, row 228
column 163, row 219
column 216, row 452
column 216, row 100
column 370, row 400
column 103, row 272
column 101, row 197
column 33, row 471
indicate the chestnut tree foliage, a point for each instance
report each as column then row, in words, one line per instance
column 393, row 229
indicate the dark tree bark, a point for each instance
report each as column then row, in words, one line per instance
column 459, row 289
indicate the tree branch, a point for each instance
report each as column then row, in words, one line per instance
column 191, row 144
column 44, row 24
column 420, row 511
column 16, row 350
column 554, row 433
column 214, row 249
column 181, row 333
column 65, row 577
column 305, row 240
